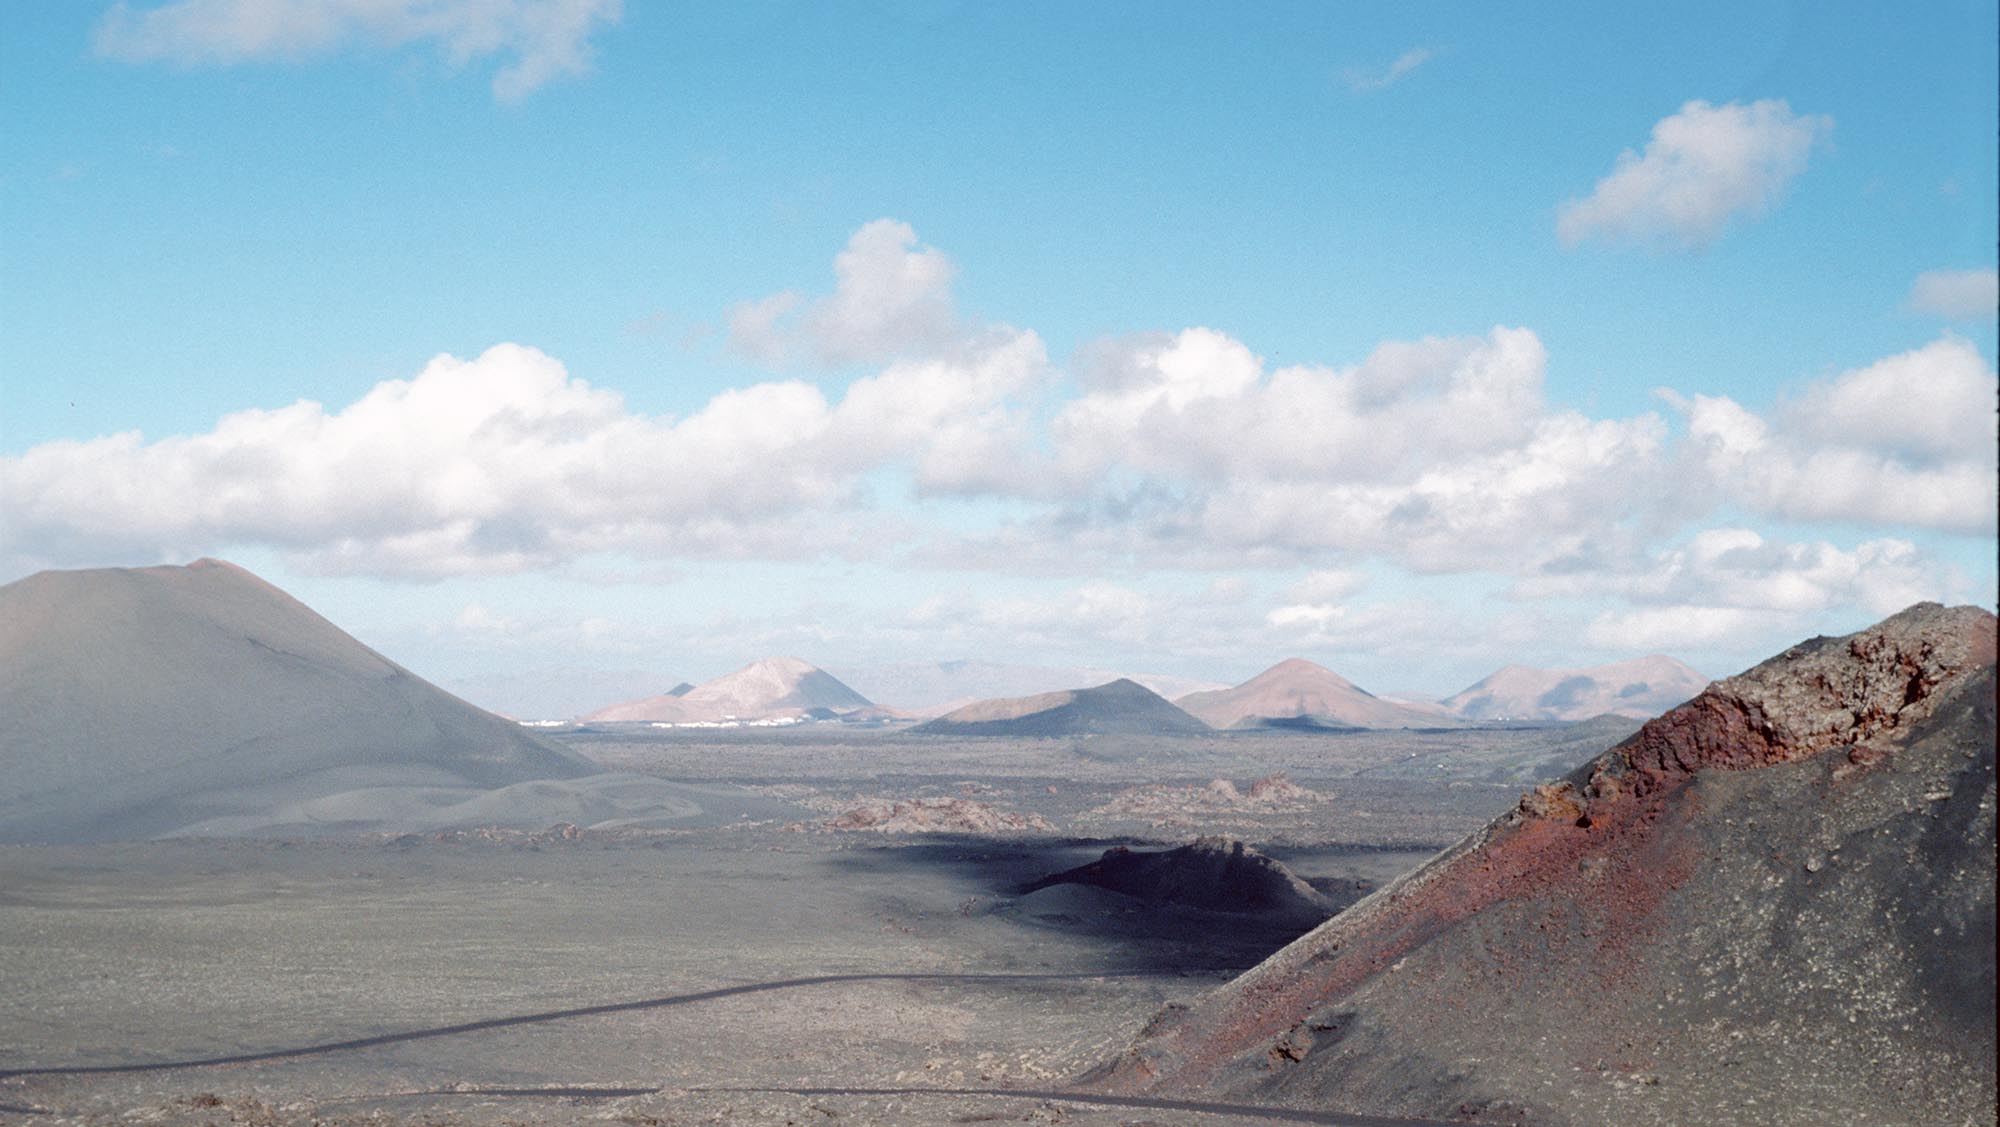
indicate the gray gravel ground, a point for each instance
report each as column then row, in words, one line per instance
column 148, row 953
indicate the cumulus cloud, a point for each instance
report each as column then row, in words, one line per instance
column 1437, row 453
column 1366, row 80
column 1155, row 458
column 1703, row 167
column 1330, row 585
column 506, row 463
column 1907, row 440
column 1961, row 295
column 892, row 298
column 1732, row 589
column 538, row 40
column 1741, row 569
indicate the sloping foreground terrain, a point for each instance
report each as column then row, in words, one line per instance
column 1773, row 904
column 137, row 701
column 1298, row 693
column 1123, row 707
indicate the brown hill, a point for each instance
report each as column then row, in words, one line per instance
column 1122, row 707
column 1773, row 904
column 1299, row 694
column 1639, row 688
column 133, row 699
column 776, row 688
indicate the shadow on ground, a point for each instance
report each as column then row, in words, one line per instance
column 1131, row 934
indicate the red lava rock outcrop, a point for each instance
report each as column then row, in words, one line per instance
column 1772, row 904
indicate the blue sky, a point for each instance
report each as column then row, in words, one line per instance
column 1022, row 446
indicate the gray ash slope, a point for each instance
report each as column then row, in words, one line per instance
column 1773, row 904
column 1123, row 708
column 135, row 701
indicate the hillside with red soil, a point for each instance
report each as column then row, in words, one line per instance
column 1773, row 904
column 1299, row 694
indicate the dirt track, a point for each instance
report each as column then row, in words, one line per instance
column 579, row 1012
column 1240, row 1111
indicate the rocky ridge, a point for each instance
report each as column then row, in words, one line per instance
column 1771, row 904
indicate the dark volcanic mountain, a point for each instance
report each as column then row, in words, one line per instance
column 1773, row 904
column 131, row 699
column 1215, row 874
column 1122, row 707
column 1299, row 694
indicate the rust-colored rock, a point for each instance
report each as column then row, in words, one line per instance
column 1772, row 904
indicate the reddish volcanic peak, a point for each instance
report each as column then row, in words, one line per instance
column 1780, row 891
column 1299, row 693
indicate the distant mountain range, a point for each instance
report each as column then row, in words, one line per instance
column 1299, row 694
column 1122, row 707
column 776, row 689
column 1639, row 688
column 1295, row 693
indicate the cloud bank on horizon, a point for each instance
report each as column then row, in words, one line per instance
column 1167, row 450
column 1414, row 356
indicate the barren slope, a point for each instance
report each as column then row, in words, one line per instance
column 1298, row 693
column 131, row 698
column 1774, row 904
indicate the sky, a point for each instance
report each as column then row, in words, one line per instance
column 523, row 339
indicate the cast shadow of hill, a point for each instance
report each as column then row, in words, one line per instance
column 1120, row 933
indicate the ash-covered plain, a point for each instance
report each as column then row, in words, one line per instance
column 891, row 873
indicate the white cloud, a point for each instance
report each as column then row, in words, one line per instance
column 1732, row 589
column 1166, row 456
column 1676, row 629
column 539, row 40
column 1740, row 569
column 505, row 463
column 1703, row 166
column 1318, row 616
column 891, row 298
column 1906, row 441
column 1437, row 453
column 1332, row 585
column 1364, row 80
column 1961, row 295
